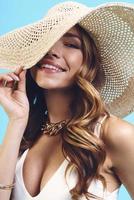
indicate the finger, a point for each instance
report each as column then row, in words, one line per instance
column 4, row 80
column 16, row 73
column 9, row 80
column 8, row 84
column 22, row 82
column 14, row 76
column 18, row 70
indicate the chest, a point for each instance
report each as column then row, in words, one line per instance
column 40, row 166
column 39, row 173
column 30, row 185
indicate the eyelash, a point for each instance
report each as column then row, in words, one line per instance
column 72, row 46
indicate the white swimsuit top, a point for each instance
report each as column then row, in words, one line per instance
column 57, row 188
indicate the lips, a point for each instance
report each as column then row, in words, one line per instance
column 50, row 65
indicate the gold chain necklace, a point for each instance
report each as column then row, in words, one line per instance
column 52, row 129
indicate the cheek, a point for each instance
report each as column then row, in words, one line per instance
column 75, row 62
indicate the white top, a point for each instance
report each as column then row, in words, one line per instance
column 57, row 188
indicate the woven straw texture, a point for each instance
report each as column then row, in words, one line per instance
column 112, row 28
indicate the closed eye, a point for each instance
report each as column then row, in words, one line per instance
column 72, row 46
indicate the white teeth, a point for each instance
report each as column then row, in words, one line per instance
column 51, row 67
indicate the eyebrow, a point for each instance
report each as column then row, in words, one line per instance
column 71, row 35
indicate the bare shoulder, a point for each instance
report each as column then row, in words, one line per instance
column 118, row 133
column 118, row 136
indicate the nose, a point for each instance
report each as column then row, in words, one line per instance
column 55, row 51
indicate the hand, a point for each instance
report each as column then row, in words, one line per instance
column 13, row 96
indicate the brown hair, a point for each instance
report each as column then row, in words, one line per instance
column 85, row 151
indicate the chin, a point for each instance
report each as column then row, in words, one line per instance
column 53, row 84
column 54, row 87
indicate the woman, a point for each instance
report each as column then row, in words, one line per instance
column 62, row 141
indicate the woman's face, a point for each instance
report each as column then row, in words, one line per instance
column 59, row 67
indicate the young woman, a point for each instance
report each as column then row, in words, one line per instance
column 63, row 140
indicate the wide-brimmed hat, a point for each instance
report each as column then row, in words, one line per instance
column 112, row 28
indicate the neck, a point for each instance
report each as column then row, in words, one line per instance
column 58, row 104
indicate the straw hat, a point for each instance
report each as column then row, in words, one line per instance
column 111, row 26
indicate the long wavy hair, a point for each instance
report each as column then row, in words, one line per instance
column 86, row 152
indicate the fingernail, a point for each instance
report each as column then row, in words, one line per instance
column 17, row 79
column 10, row 78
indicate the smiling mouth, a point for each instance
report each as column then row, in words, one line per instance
column 50, row 67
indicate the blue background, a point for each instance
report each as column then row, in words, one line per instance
column 17, row 13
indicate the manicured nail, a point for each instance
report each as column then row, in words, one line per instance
column 17, row 78
column 10, row 78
